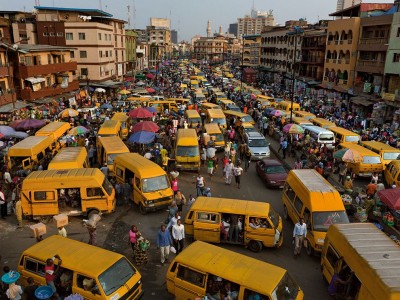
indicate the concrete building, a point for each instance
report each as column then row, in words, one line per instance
column 142, row 36
column 210, row 49
column 251, row 25
column 160, row 23
column 233, row 29
column 343, row 4
column 251, row 50
column 160, row 44
column 7, row 90
column 98, row 38
column 18, row 27
column 174, row 36
column 131, row 44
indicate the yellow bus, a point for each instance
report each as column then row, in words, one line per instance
column 287, row 105
column 55, row 130
column 307, row 194
column 151, row 189
column 30, row 151
column 95, row 271
column 236, row 115
column 125, row 123
column 193, row 117
column 187, row 152
column 193, row 272
column 41, row 193
column 70, row 158
column 107, row 148
column 392, row 173
column 214, row 133
column 302, row 121
column 216, row 116
column 304, row 114
column 110, row 128
column 370, row 254
column 371, row 161
column 345, row 136
column 321, row 122
column 387, row 153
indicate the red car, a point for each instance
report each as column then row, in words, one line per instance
column 271, row 172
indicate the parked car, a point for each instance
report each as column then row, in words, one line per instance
column 271, row 172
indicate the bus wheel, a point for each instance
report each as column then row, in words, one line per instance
column 309, row 249
column 285, row 213
column 255, row 246
column 142, row 209
column 92, row 212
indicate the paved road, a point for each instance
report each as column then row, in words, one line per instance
column 112, row 234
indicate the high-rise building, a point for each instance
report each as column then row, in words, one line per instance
column 233, row 29
column 174, row 36
column 254, row 23
column 343, row 4
column 160, row 23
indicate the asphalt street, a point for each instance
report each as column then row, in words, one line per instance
column 113, row 235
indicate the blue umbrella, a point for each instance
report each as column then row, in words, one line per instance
column 6, row 130
column 151, row 109
column 142, row 137
column 106, row 106
column 18, row 134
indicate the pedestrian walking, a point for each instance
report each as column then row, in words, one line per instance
column 284, row 147
column 118, row 193
column 164, row 242
column 238, row 171
column 133, row 237
column 228, row 170
column 127, row 190
column 18, row 212
column 180, row 200
column 92, row 235
column 247, row 159
column 299, row 234
column 3, row 204
column 200, row 183
column 174, row 185
column 342, row 172
column 62, row 231
column 178, row 234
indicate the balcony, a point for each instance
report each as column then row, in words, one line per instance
column 7, row 98
column 313, row 60
column 4, row 71
column 28, row 94
column 37, row 70
column 370, row 66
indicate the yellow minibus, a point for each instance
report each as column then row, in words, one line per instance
column 204, row 220
column 214, row 132
column 344, row 136
column 287, row 105
column 302, row 121
column 193, row 117
column 125, row 123
column 235, row 115
column 195, row 271
column 304, row 114
column 109, row 147
column 307, row 194
column 70, row 158
column 30, row 151
column 321, row 122
column 216, row 116
column 109, row 128
column 161, row 106
column 54, row 129
column 73, row 192
column 187, row 152
column 194, row 84
column 371, row 161
column 365, row 258
column 151, row 189
column 392, row 173
column 96, row 273
column 387, row 153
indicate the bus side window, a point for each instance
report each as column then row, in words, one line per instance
column 290, row 193
column 332, row 256
column 191, row 276
column 298, row 205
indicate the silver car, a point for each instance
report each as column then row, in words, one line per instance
column 258, row 145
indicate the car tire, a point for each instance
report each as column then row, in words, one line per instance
column 285, row 213
column 142, row 209
column 255, row 246
column 309, row 249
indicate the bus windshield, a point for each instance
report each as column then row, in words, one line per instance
column 391, row 155
column 116, row 276
column 286, row 289
column 326, row 137
column 155, row 184
column 322, row 220
column 219, row 137
column 371, row 160
column 107, row 186
column 248, row 119
column 352, row 139
column 220, row 121
column 190, row 151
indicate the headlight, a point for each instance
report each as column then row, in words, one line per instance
column 272, row 181
column 320, row 241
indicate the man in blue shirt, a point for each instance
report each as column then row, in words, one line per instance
column 299, row 234
column 164, row 242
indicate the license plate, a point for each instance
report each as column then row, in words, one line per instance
column 151, row 205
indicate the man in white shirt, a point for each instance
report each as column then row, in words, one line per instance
column 178, row 234
column 228, row 172
column 299, row 234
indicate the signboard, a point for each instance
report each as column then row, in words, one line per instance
column 119, row 70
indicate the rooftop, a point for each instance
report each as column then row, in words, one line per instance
column 356, row 10
column 41, row 48
column 86, row 11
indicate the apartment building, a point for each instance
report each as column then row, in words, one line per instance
column 251, row 50
column 7, row 93
column 210, row 49
column 98, row 38
column 274, row 51
column 254, row 23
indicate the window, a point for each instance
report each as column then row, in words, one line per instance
column 94, row 192
column 119, row 172
column 43, row 195
column 398, row 32
column 248, row 294
column 82, row 54
column 106, row 53
column 82, row 36
column 60, row 34
column 298, row 204
column 45, row 34
column 207, row 217
column 52, row 34
column 191, row 276
column 72, row 54
column 84, row 71
column 69, row 36
column 396, row 57
column 49, row 59
column 100, row 54
column 34, row 266
column 290, row 193
column 99, row 34
column 332, row 256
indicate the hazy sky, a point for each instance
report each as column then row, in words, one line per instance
column 190, row 17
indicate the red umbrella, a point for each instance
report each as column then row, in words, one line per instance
column 145, row 126
column 391, row 197
column 150, row 76
column 140, row 113
column 150, row 90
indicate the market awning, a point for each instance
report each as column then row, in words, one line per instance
column 35, row 80
column 361, row 101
